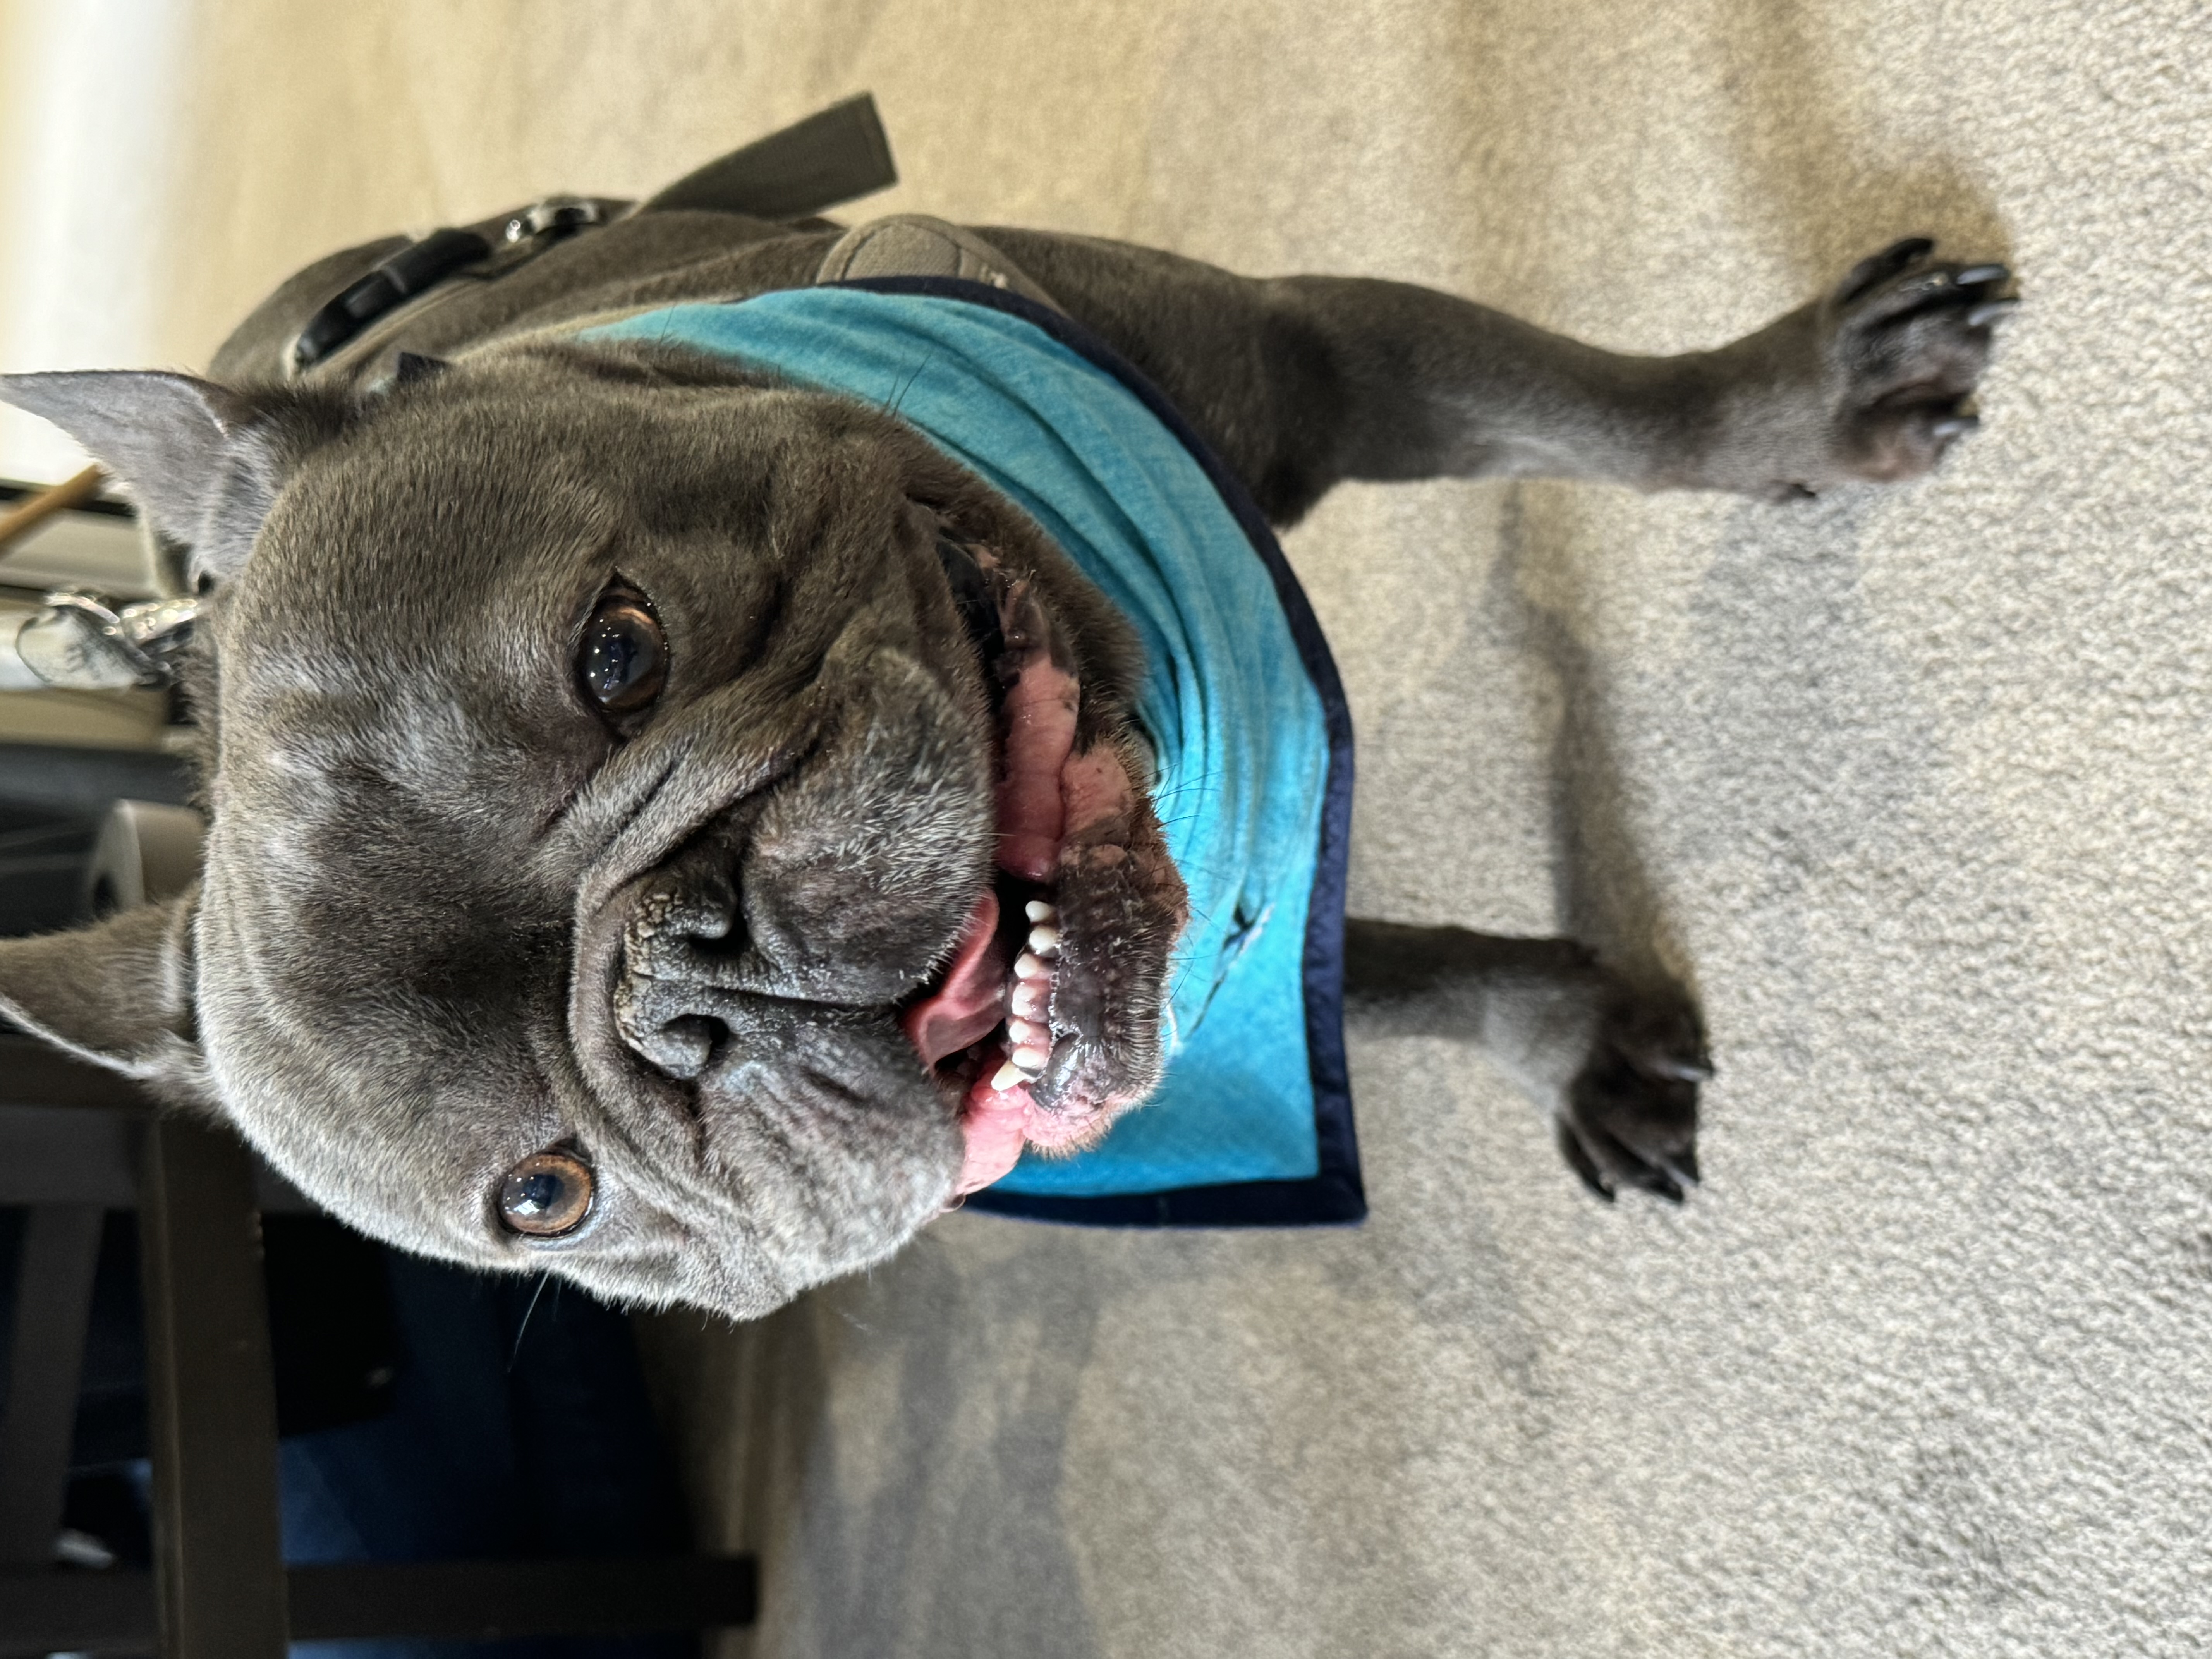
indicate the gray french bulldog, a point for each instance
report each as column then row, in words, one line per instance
column 607, row 748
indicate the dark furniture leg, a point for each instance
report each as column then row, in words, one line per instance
column 218, row 1554
column 53, row 1299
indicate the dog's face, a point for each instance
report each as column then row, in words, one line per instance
column 626, row 783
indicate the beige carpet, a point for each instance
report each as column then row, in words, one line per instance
column 1910, row 785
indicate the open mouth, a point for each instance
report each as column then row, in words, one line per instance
column 1008, row 1025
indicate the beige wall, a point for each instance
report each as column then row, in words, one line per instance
column 89, row 94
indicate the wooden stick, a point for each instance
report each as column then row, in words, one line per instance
column 32, row 511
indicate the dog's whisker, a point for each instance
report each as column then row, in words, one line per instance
column 523, row 1328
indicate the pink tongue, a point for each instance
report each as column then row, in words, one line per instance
column 1040, row 729
column 965, row 1008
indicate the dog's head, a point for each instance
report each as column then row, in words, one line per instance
column 627, row 783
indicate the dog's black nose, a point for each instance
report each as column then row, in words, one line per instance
column 722, row 942
column 681, row 968
column 678, row 1043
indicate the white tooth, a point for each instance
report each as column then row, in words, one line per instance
column 1044, row 940
column 1008, row 1075
column 1038, row 910
column 1029, row 967
column 1030, row 999
column 1021, row 1032
column 1031, row 1059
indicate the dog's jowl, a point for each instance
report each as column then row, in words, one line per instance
column 723, row 734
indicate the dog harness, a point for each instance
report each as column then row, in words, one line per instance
column 1252, row 1122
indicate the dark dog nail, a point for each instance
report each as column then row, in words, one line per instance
column 1973, row 275
column 1991, row 310
column 1579, row 1160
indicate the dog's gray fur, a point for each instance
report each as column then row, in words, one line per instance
column 448, row 916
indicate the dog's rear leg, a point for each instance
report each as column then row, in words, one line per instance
column 1617, row 1067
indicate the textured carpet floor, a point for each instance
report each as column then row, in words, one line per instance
column 1910, row 785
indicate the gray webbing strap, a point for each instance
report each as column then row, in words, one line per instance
column 831, row 156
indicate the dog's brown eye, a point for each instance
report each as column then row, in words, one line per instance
column 623, row 658
column 547, row 1196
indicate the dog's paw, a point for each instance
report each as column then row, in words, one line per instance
column 1906, row 338
column 1874, row 382
column 1630, row 1118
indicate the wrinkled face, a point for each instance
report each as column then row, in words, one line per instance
column 678, row 835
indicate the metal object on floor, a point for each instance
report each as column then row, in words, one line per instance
column 87, row 642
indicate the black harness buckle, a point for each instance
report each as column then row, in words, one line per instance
column 416, row 268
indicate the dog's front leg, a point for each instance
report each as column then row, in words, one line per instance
column 1303, row 382
column 1617, row 1067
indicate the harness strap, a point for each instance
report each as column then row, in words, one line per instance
column 829, row 157
column 834, row 155
column 416, row 268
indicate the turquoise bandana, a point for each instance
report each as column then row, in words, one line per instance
column 1252, row 1120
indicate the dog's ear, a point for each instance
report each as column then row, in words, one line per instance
column 120, row 992
column 203, row 461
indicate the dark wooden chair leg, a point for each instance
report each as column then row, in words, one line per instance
column 53, row 1301
column 211, row 1399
